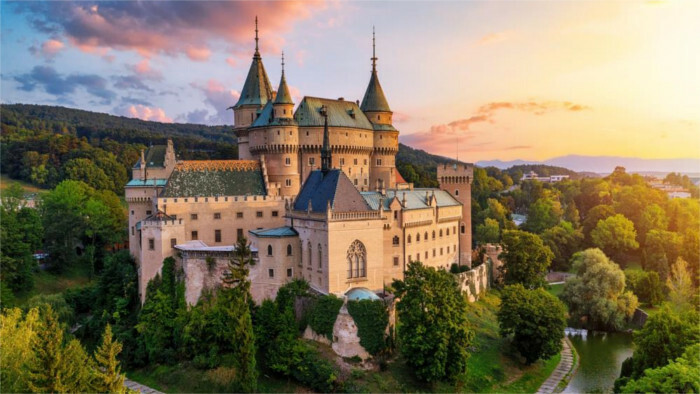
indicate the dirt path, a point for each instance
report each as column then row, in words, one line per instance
column 139, row 387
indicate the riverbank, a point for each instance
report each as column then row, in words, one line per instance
column 561, row 375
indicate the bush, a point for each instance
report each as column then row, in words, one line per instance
column 371, row 318
column 312, row 370
column 457, row 269
column 323, row 315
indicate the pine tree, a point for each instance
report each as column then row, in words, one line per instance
column 108, row 374
column 76, row 369
column 45, row 372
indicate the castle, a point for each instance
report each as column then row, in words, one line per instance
column 315, row 190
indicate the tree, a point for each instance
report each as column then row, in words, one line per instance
column 615, row 236
column 646, row 285
column 525, row 259
column 681, row 375
column 653, row 218
column 434, row 331
column 108, row 374
column 664, row 337
column 572, row 215
column 597, row 292
column 85, row 170
column 17, row 336
column 45, row 371
column 563, row 240
column 680, row 284
column 535, row 319
column 596, row 214
column 489, row 232
column 543, row 214
column 661, row 249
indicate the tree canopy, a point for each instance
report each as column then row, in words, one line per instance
column 525, row 259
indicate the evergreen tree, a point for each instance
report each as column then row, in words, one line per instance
column 108, row 376
column 77, row 369
column 45, row 371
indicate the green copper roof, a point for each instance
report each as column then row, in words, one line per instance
column 257, row 89
column 383, row 127
column 155, row 157
column 374, row 99
column 278, row 232
column 215, row 178
column 148, row 182
column 267, row 118
column 415, row 199
column 341, row 113
column 283, row 96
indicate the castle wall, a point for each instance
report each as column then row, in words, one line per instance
column 140, row 205
column 341, row 235
column 202, row 271
column 457, row 180
column 440, row 249
column 152, row 254
column 272, row 271
column 236, row 216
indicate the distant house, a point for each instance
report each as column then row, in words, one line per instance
column 532, row 175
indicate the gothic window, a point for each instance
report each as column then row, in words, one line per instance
column 433, row 234
column 396, row 240
column 418, row 237
column 289, row 250
column 456, row 192
column 440, row 233
column 320, row 256
column 463, row 229
column 310, row 257
column 448, row 231
column 426, row 236
column 269, row 250
column 301, row 253
column 357, row 260
column 409, row 239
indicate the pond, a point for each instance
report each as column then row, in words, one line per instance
column 600, row 358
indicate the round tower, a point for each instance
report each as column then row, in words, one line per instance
column 386, row 138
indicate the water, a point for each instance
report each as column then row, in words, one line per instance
column 600, row 359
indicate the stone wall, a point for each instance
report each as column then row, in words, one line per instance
column 478, row 280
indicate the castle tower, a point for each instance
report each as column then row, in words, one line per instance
column 257, row 91
column 386, row 137
column 280, row 143
column 456, row 179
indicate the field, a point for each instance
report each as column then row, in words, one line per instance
column 5, row 181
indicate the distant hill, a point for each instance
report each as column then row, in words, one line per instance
column 606, row 164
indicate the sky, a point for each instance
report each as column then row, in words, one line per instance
column 475, row 80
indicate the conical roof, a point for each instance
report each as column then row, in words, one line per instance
column 374, row 99
column 283, row 96
column 257, row 89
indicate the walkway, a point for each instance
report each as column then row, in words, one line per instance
column 130, row 384
column 564, row 368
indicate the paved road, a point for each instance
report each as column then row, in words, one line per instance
column 565, row 365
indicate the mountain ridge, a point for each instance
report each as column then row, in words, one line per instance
column 606, row 164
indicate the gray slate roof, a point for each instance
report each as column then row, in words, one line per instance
column 278, row 232
column 215, row 178
column 415, row 199
column 257, row 89
column 335, row 187
column 374, row 99
column 340, row 113
column 155, row 157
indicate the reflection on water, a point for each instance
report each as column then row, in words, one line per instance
column 600, row 359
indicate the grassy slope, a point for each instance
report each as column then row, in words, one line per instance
column 5, row 181
column 48, row 283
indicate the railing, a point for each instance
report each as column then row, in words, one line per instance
column 355, row 215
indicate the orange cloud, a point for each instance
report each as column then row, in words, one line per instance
column 495, row 38
column 148, row 113
column 198, row 54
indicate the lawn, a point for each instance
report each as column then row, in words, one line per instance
column 555, row 290
column 48, row 283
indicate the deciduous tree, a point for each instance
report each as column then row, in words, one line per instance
column 615, row 236
column 525, row 259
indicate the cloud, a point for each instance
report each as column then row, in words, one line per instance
column 231, row 61
column 218, row 97
column 48, row 50
column 172, row 28
column 130, row 82
column 145, row 112
column 444, row 137
column 54, row 83
column 143, row 70
column 495, row 38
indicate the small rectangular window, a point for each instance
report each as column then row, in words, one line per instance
column 396, row 215
column 379, row 162
column 148, row 212
column 217, row 235
column 275, row 214
column 193, row 216
column 354, row 161
column 132, row 213
column 132, row 230
column 287, row 161
column 239, row 233
column 239, row 215
column 289, row 272
column 342, row 161
column 271, row 273
column 194, row 236
column 396, row 261
column 151, row 244
column 173, row 242
column 259, row 214
column 217, row 215
column 355, row 182
column 288, row 182
column 312, row 161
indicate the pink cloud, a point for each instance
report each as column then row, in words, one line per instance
column 148, row 113
column 231, row 61
column 144, row 70
column 171, row 28
column 495, row 38
column 51, row 47
column 218, row 97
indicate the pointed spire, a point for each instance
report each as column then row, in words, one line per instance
column 283, row 96
column 374, row 100
column 326, row 148
column 257, row 52
column 257, row 89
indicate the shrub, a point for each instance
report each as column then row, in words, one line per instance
column 371, row 318
column 323, row 315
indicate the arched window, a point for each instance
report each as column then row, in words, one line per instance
column 395, row 241
column 425, row 235
column 301, row 253
column 463, row 229
column 433, row 234
column 448, row 232
column 440, row 232
column 289, row 250
column 456, row 192
column 310, row 256
column 409, row 239
column 269, row 250
column 357, row 260
column 418, row 237
column 320, row 256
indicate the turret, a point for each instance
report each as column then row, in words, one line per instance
column 374, row 103
column 257, row 91
column 283, row 104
